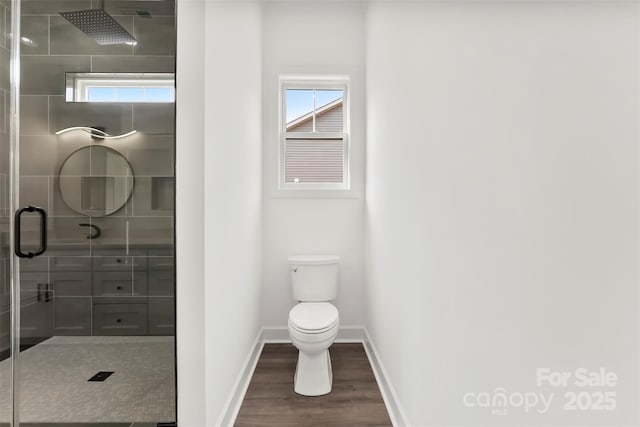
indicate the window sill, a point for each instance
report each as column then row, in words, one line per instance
column 314, row 194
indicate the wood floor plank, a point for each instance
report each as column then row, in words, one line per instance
column 355, row 399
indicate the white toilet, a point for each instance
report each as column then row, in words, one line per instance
column 313, row 322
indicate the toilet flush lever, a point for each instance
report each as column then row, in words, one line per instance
column 295, row 270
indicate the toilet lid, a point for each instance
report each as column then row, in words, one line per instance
column 313, row 316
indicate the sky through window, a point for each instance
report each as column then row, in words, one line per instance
column 300, row 101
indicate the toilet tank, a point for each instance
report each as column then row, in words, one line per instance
column 314, row 277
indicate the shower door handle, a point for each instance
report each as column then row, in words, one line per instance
column 17, row 227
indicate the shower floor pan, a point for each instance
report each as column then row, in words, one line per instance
column 54, row 386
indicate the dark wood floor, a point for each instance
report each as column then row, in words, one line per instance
column 355, row 399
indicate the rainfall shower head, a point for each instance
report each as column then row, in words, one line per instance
column 99, row 25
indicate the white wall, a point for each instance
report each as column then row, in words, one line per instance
column 312, row 38
column 233, row 193
column 190, row 289
column 502, row 202
column 219, row 201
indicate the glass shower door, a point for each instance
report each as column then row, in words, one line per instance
column 93, row 309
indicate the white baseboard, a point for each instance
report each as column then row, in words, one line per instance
column 232, row 405
column 346, row 334
column 396, row 413
column 275, row 335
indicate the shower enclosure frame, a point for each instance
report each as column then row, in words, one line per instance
column 14, row 202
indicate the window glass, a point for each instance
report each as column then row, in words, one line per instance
column 314, row 110
column 129, row 94
column 328, row 113
column 159, row 94
column 324, row 97
column 318, row 161
column 100, row 94
column 299, row 102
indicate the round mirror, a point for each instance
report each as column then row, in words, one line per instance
column 95, row 180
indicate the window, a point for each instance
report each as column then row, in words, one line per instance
column 120, row 87
column 314, row 133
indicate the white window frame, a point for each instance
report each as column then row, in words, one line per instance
column 78, row 86
column 323, row 83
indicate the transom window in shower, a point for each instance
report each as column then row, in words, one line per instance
column 314, row 133
column 120, row 87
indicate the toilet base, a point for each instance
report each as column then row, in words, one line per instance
column 313, row 376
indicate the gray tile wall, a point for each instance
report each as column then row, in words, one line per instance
column 57, row 47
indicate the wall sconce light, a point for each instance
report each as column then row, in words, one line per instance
column 96, row 132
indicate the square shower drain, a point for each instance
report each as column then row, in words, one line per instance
column 101, row 376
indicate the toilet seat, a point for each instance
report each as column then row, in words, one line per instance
column 327, row 337
column 313, row 317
